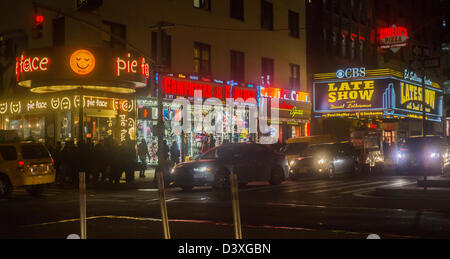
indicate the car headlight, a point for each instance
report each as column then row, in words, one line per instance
column 434, row 155
column 202, row 169
column 292, row 163
column 321, row 161
column 401, row 156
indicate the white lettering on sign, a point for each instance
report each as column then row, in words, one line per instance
column 351, row 73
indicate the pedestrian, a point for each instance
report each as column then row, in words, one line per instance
column 212, row 141
column 67, row 161
column 175, row 153
column 143, row 154
column 57, row 163
column 129, row 160
column 205, row 146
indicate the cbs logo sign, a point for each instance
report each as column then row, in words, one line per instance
column 351, row 73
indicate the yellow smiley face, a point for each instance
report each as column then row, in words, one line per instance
column 82, row 62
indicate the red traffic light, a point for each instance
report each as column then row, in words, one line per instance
column 38, row 19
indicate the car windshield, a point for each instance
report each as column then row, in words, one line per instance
column 415, row 144
column 34, row 151
column 295, row 149
column 319, row 149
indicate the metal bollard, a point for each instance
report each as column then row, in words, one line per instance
column 235, row 203
column 163, row 205
column 82, row 191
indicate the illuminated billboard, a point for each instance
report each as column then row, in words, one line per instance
column 375, row 92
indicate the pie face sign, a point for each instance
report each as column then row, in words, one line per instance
column 56, row 67
column 82, row 62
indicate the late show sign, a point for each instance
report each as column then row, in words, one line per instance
column 389, row 95
column 341, row 96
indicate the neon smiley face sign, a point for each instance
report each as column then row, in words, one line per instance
column 82, row 62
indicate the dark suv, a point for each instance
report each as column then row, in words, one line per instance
column 251, row 162
column 326, row 160
column 427, row 154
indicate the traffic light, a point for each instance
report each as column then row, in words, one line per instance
column 38, row 26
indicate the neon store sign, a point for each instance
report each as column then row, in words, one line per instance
column 31, row 64
column 393, row 37
column 130, row 65
column 176, row 87
column 278, row 93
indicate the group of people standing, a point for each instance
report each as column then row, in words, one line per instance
column 107, row 161
column 102, row 162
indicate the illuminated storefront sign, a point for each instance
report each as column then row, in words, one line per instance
column 393, row 38
column 186, row 88
column 384, row 93
column 62, row 68
column 65, row 103
column 129, row 65
column 31, row 64
column 349, row 95
column 82, row 62
column 283, row 94
column 351, row 73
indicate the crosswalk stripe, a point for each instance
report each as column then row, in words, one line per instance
column 291, row 185
column 346, row 187
column 378, row 186
column 322, row 185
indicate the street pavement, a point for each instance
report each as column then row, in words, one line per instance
column 345, row 207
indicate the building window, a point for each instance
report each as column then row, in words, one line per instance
column 166, row 49
column 237, row 66
column 294, row 28
column 267, row 71
column 59, row 31
column 203, row 4
column 237, row 9
column 266, row 15
column 294, row 79
column 202, row 58
column 118, row 30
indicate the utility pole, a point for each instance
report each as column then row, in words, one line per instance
column 162, row 163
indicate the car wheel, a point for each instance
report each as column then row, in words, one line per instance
column 222, row 180
column 277, row 176
column 35, row 190
column 5, row 187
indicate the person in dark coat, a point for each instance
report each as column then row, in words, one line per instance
column 143, row 154
column 57, row 163
column 130, row 160
column 175, row 153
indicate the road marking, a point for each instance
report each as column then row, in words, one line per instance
column 346, row 187
column 324, row 184
column 226, row 224
column 374, row 187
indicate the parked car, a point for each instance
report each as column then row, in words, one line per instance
column 24, row 164
column 251, row 162
column 420, row 155
column 326, row 160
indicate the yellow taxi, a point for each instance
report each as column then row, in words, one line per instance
column 25, row 164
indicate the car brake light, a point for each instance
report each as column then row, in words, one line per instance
column 21, row 165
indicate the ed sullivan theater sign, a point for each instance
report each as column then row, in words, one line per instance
column 379, row 92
